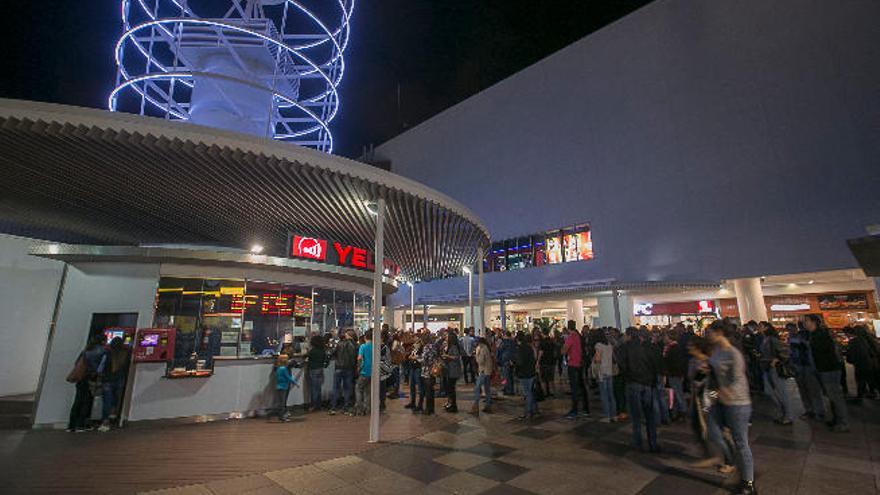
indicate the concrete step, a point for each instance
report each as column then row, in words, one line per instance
column 15, row 421
column 15, row 406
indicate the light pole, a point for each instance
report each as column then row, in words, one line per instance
column 481, row 293
column 470, row 274
column 412, row 306
column 379, row 269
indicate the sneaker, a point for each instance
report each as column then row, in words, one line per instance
column 782, row 422
column 571, row 416
column 586, row 415
column 605, row 420
column 747, row 488
column 332, row 412
column 104, row 428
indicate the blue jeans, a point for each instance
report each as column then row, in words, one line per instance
column 811, row 391
column 830, row 381
column 507, row 374
column 640, row 399
column 531, row 404
column 775, row 388
column 715, row 437
column 316, row 383
column 676, row 383
column 606, row 392
column 483, row 381
column 737, row 419
column 342, row 381
column 578, row 391
column 111, row 392
column 661, row 402
column 415, row 384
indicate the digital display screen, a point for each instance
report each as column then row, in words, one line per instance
column 111, row 334
column 554, row 250
column 149, row 340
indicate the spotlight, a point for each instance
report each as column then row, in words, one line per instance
column 256, row 249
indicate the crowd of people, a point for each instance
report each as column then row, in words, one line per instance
column 649, row 377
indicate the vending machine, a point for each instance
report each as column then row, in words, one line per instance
column 154, row 344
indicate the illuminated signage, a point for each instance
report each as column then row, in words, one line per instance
column 674, row 308
column 341, row 254
column 790, row 307
column 308, row 247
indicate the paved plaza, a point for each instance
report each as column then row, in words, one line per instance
column 445, row 454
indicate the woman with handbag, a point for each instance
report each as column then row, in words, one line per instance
column 774, row 363
column 430, row 367
column 86, row 369
column 452, row 358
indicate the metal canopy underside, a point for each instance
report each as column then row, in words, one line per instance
column 86, row 176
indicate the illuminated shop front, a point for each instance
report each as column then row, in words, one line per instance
column 553, row 247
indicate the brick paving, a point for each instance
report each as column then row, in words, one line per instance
column 492, row 454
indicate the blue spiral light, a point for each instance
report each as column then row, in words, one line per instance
column 264, row 67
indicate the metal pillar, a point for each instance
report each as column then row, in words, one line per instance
column 503, row 315
column 425, row 315
column 615, row 298
column 470, row 274
column 377, row 320
column 481, row 294
column 412, row 306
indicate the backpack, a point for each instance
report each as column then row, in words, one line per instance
column 345, row 355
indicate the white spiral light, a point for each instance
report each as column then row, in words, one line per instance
column 264, row 67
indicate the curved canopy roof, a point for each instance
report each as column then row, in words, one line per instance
column 89, row 176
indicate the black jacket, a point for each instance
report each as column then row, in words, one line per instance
column 639, row 363
column 675, row 362
column 825, row 352
column 525, row 361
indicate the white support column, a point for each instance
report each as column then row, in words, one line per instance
column 481, row 295
column 750, row 299
column 412, row 306
column 470, row 275
column 615, row 310
column 574, row 310
column 377, row 319
column 425, row 315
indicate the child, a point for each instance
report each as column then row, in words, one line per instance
column 283, row 380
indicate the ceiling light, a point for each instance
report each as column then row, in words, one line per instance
column 256, row 249
column 372, row 207
column 466, row 270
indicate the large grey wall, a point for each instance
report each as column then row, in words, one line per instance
column 702, row 140
column 28, row 289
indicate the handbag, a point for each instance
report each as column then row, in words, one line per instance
column 784, row 370
column 78, row 373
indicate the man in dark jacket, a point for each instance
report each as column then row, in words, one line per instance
column 828, row 363
column 640, row 366
column 805, row 372
column 862, row 353
column 675, row 365
column 504, row 355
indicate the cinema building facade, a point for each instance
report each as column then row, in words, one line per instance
column 205, row 250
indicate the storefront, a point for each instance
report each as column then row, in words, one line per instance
column 697, row 314
column 838, row 309
column 207, row 252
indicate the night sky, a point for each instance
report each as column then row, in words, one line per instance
column 438, row 52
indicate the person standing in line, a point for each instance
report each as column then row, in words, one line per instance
column 416, row 387
column 365, row 364
column 774, row 359
column 547, row 363
column 467, row 355
column 640, row 366
column 345, row 358
column 453, row 359
column 604, row 362
column 729, row 370
column 113, row 381
column 574, row 355
column 805, row 374
column 88, row 366
column 483, row 359
column 283, row 381
column 863, row 353
column 504, row 356
column 316, row 360
column 675, row 363
column 427, row 358
column 826, row 356
column 526, row 371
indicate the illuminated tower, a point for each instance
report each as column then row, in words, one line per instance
column 263, row 67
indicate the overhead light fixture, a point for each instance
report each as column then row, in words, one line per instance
column 371, row 207
column 256, row 249
column 466, row 270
